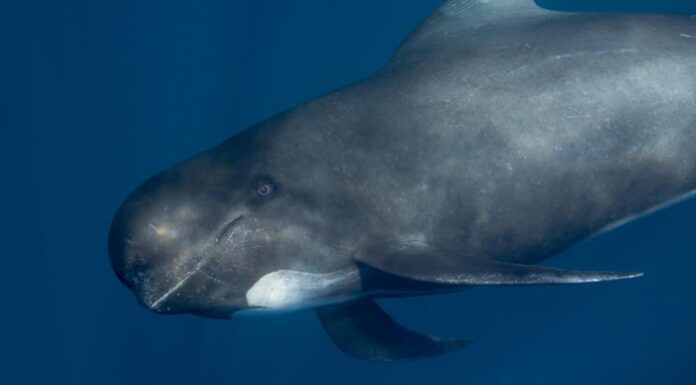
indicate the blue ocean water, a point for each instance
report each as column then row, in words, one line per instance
column 95, row 96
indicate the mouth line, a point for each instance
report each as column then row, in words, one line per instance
column 227, row 229
column 223, row 233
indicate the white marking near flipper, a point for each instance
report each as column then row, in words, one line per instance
column 290, row 289
column 631, row 218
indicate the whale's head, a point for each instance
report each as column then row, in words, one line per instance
column 226, row 231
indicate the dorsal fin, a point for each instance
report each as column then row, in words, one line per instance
column 459, row 19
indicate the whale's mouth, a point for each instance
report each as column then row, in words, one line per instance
column 228, row 230
column 162, row 302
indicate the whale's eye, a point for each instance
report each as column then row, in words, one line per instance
column 264, row 189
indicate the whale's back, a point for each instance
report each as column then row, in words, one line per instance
column 506, row 131
column 540, row 128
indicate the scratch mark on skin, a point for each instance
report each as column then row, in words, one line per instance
column 686, row 35
column 155, row 305
column 575, row 55
column 218, row 280
column 458, row 8
column 162, row 231
column 594, row 53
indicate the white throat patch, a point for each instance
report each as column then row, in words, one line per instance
column 290, row 289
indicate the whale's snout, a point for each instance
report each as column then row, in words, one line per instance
column 119, row 241
column 138, row 254
column 164, row 246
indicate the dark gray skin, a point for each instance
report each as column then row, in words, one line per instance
column 499, row 135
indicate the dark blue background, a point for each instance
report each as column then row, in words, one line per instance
column 97, row 95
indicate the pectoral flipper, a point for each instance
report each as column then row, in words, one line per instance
column 363, row 330
column 427, row 264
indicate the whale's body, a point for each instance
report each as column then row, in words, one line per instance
column 480, row 145
column 499, row 135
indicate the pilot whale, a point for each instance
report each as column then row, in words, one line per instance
column 499, row 135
